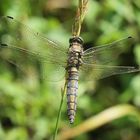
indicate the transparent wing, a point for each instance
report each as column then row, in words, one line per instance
column 97, row 60
column 26, row 61
column 21, row 46
column 96, row 72
column 105, row 53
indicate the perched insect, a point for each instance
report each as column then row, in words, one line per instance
column 75, row 61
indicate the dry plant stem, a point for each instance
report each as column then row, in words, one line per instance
column 80, row 14
column 102, row 118
column 63, row 91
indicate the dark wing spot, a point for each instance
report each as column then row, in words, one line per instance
column 10, row 17
column 3, row 45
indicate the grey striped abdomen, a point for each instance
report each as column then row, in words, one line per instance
column 72, row 89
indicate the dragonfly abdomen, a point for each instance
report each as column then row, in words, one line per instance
column 72, row 90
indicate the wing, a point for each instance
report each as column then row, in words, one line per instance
column 96, row 72
column 25, row 61
column 106, row 53
column 96, row 61
column 21, row 46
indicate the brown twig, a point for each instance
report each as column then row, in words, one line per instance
column 101, row 119
column 80, row 14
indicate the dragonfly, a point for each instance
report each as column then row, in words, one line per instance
column 23, row 46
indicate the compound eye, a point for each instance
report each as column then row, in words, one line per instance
column 76, row 39
column 70, row 40
column 80, row 40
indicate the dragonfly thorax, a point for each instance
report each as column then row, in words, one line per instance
column 75, row 52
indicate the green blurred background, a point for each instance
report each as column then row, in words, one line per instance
column 28, row 108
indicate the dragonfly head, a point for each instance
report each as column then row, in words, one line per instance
column 76, row 44
column 78, row 40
